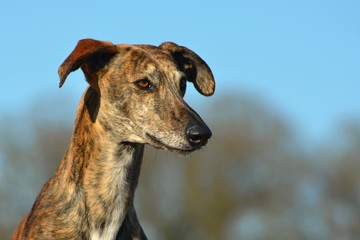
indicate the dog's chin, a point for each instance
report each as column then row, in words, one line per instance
column 160, row 145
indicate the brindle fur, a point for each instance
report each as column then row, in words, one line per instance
column 91, row 194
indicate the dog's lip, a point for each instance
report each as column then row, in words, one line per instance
column 167, row 147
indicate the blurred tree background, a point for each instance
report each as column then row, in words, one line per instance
column 255, row 179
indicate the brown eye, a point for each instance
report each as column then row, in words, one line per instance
column 144, row 84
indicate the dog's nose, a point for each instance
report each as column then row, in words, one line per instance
column 197, row 134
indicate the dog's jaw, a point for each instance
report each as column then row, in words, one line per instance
column 159, row 144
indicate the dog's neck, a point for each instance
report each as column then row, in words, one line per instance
column 106, row 173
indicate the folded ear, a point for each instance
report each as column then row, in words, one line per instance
column 89, row 54
column 195, row 69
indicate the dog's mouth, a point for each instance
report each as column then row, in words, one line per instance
column 159, row 144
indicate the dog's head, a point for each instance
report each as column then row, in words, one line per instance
column 136, row 92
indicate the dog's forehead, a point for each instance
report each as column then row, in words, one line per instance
column 146, row 55
column 139, row 60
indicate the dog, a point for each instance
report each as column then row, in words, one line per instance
column 134, row 97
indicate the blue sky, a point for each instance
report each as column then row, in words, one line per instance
column 302, row 57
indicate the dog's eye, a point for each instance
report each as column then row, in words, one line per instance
column 182, row 85
column 144, row 84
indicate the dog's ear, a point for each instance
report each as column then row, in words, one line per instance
column 89, row 54
column 195, row 69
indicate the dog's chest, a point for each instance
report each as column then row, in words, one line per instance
column 117, row 208
column 109, row 231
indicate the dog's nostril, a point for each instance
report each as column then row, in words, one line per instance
column 198, row 135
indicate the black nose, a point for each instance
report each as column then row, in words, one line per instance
column 197, row 134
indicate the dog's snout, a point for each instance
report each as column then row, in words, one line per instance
column 197, row 134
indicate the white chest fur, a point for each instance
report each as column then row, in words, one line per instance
column 110, row 230
column 118, row 210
